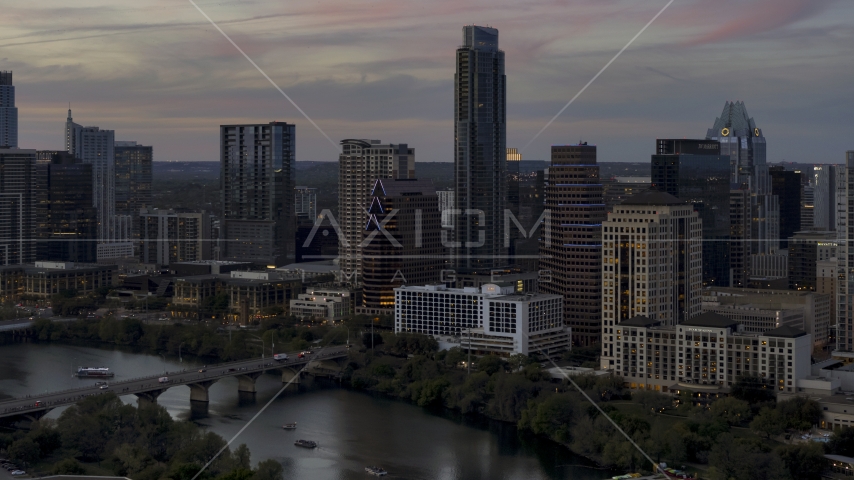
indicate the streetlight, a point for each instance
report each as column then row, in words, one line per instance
column 262, row 344
column 163, row 356
column 179, row 353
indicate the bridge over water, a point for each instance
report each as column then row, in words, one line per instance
column 148, row 388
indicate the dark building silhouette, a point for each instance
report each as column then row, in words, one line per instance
column 695, row 172
column 402, row 241
column 571, row 239
column 133, row 180
column 67, row 220
column 17, row 192
column 480, row 155
column 257, row 186
column 786, row 184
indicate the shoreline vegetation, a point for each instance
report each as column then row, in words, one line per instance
column 736, row 437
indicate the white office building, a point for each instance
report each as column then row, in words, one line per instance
column 491, row 319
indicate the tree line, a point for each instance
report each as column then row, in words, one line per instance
column 143, row 443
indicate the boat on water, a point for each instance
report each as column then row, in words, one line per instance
column 290, row 426
column 376, row 471
column 99, row 372
column 306, row 443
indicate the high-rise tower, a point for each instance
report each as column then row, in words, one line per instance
column 744, row 143
column 133, row 180
column 257, row 186
column 694, row 171
column 651, row 263
column 480, row 155
column 571, row 239
column 17, row 215
column 96, row 147
column 8, row 112
column 360, row 164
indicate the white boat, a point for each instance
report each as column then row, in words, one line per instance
column 376, row 471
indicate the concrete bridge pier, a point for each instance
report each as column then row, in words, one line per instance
column 199, row 390
column 246, row 382
column 289, row 374
column 149, row 396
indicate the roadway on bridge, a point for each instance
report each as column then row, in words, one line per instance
column 151, row 383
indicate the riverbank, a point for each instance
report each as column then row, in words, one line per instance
column 353, row 428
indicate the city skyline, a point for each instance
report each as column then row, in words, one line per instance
column 683, row 64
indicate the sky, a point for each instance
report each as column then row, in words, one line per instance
column 158, row 72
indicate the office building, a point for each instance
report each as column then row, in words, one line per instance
column 823, row 183
column 360, row 164
column 8, row 112
column 825, row 283
column 97, row 148
column 695, row 172
column 514, row 158
column 17, row 212
column 66, row 219
column 43, row 280
column 845, row 255
column 257, row 179
column 761, row 310
column 324, row 304
column 402, row 242
column 305, row 203
column 707, row 355
column 480, row 154
column 489, row 319
column 133, row 181
column 840, row 198
column 807, row 207
column 571, row 238
column 754, row 209
column 805, row 250
column 446, row 204
column 167, row 237
column 786, row 184
column 618, row 189
column 652, row 260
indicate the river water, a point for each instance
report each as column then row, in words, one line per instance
column 352, row 429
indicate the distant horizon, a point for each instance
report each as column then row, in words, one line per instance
column 385, row 70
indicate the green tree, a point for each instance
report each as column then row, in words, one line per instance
column 269, row 470
column 731, row 410
column 842, row 442
column 768, row 423
column 518, row 361
column 490, row 364
column 804, row 461
column 753, row 390
column 237, row 474
column 800, row 413
column 25, row 451
column 68, row 466
column 241, row 457
column 652, row 401
column 552, row 417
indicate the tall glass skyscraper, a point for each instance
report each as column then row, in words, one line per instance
column 8, row 112
column 257, row 187
column 755, row 231
column 480, row 155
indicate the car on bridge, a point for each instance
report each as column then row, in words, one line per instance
column 163, row 380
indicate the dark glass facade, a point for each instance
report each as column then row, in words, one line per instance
column 67, row 225
column 133, row 180
column 694, row 171
column 786, row 184
column 480, row 163
column 257, row 187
